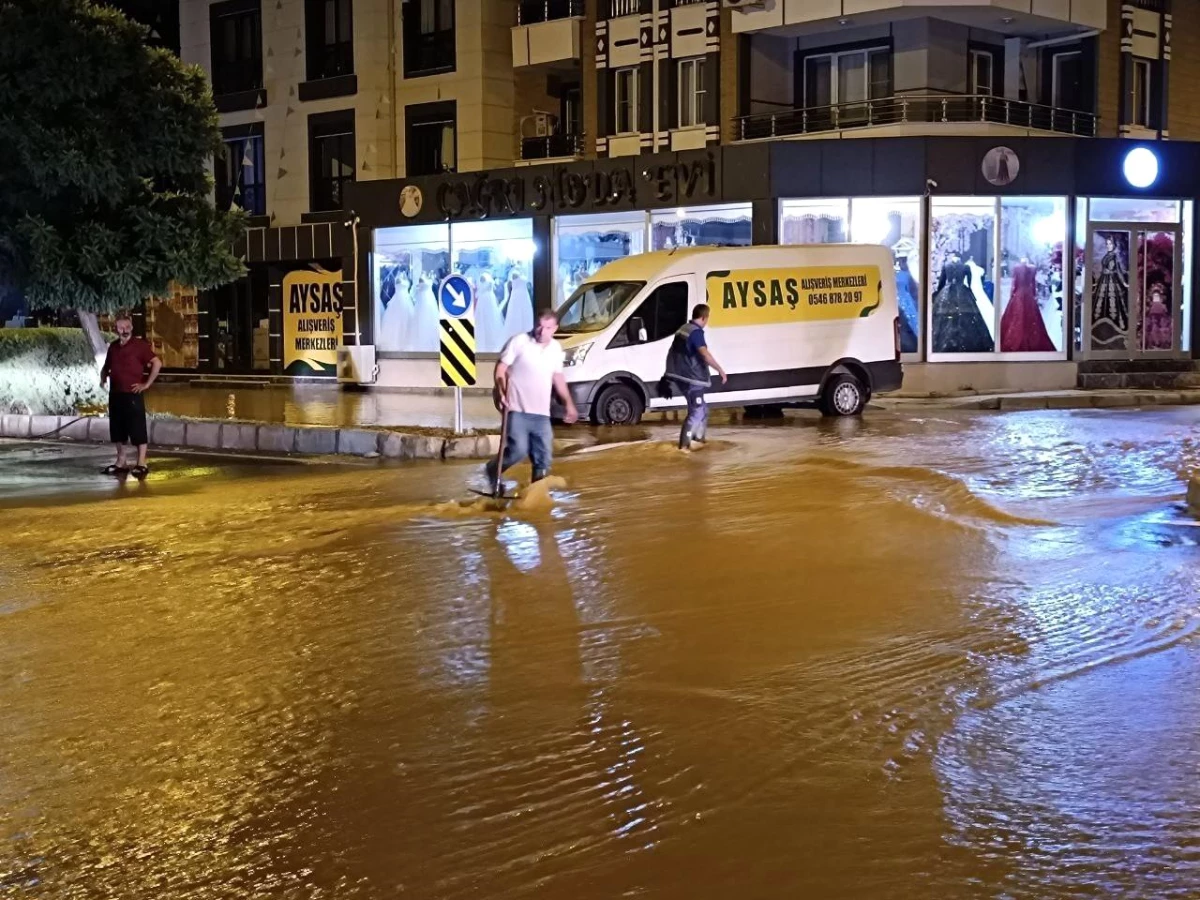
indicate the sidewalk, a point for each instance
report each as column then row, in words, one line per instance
column 319, row 421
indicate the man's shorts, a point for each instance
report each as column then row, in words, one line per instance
column 127, row 419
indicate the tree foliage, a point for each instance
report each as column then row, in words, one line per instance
column 104, row 178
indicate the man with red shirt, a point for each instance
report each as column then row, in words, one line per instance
column 127, row 361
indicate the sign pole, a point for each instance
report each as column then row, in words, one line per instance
column 457, row 327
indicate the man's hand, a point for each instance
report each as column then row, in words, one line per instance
column 140, row 388
column 572, row 415
column 103, row 379
column 724, row 376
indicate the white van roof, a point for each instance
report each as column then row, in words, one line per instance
column 686, row 261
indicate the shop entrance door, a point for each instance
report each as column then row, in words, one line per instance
column 1132, row 291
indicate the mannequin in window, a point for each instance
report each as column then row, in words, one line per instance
column 1022, row 329
column 907, row 291
column 958, row 326
column 1110, row 296
column 1158, row 321
column 489, row 318
column 983, row 297
column 397, row 307
column 423, row 336
column 519, row 313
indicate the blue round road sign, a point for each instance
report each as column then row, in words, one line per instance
column 454, row 296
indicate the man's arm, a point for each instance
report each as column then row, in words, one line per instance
column 106, row 368
column 501, row 380
column 711, row 361
column 155, row 368
column 564, row 394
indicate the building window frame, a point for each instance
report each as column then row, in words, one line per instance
column 983, row 59
column 691, row 91
column 422, row 116
column 626, row 88
column 429, row 37
column 1056, row 80
column 1142, row 112
column 872, row 89
column 241, row 70
column 239, row 181
column 331, row 138
column 329, row 55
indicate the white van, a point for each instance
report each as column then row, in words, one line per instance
column 795, row 325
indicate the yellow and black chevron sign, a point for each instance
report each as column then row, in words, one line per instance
column 458, row 352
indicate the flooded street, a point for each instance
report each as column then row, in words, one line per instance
column 925, row 654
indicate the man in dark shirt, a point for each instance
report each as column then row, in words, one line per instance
column 688, row 364
column 127, row 363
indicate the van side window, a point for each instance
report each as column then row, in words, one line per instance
column 663, row 313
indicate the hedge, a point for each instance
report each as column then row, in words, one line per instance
column 47, row 372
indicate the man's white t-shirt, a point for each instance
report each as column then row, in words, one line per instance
column 531, row 370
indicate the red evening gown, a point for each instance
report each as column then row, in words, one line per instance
column 1022, row 329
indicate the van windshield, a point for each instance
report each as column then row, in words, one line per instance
column 594, row 306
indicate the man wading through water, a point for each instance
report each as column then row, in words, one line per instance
column 128, row 359
column 530, row 368
column 688, row 364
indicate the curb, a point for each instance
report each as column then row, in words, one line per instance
column 1021, row 402
column 248, row 437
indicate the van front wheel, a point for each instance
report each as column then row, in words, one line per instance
column 618, row 404
column 844, row 395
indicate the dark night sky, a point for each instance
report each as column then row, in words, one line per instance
column 160, row 15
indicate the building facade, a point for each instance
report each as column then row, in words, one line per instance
column 523, row 144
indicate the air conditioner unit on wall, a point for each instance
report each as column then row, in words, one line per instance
column 357, row 365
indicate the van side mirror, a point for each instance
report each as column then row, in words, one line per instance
column 637, row 330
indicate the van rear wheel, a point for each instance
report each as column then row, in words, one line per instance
column 618, row 404
column 844, row 395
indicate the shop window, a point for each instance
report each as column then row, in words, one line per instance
column 999, row 276
column 1032, row 298
column 893, row 222
column 962, row 258
column 1103, row 209
column 664, row 312
column 1189, row 211
column 236, row 36
column 582, row 244
column 431, row 138
column 691, row 92
column 983, row 72
column 429, row 43
column 702, row 226
column 240, row 168
column 407, row 265
column 331, row 158
column 497, row 259
column 625, row 98
column 328, row 25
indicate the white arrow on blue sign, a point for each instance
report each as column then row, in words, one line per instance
column 455, row 297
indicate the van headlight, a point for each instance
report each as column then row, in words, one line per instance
column 576, row 355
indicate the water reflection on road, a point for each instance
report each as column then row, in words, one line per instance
column 947, row 656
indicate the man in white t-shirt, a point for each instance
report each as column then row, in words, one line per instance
column 529, row 370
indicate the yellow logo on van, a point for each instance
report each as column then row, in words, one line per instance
column 777, row 296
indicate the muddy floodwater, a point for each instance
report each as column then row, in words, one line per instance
column 924, row 655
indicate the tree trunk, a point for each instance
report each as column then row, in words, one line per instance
column 91, row 328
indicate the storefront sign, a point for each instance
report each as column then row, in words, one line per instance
column 312, row 321
column 411, row 201
column 778, row 296
column 570, row 188
column 1000, row 166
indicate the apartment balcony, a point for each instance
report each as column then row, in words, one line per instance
column 557, row 146
column 964, row 114
column 547, row 32
column 1013, row 17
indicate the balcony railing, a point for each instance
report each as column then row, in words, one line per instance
column 616, row 8
column 959, row 109
column 530, row 12
column 552, row 146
